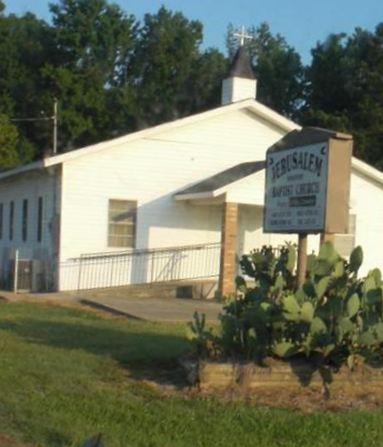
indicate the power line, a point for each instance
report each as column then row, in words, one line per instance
column 53, row 118
column 32, row 119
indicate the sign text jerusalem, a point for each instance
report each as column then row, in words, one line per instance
column 299, row 193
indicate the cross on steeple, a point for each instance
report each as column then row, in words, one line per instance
column 240, row 83
column 242, row 36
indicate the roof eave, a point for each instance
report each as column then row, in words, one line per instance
column 197, row 195
column 367, row 170
column 259, row 109
column 36, row 165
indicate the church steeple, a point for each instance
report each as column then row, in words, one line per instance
column 241, row 83
column 241, row 67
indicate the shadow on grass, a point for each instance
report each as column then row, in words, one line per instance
column 145, row 350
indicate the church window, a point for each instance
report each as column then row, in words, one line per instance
column 122, row 223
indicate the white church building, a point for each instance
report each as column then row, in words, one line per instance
column 164, row 203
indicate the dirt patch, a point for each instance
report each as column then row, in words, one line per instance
column 306, row 399
column 8, row 441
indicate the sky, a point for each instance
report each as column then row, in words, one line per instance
column 302, row 22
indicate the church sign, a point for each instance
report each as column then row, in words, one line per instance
column 308, row 183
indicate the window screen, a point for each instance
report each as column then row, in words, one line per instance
column 122, row 223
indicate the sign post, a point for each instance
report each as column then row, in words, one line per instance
column 308, row 186
column 302, row 258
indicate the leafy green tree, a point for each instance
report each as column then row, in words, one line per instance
column 110, row 74
column 165, row 54
column 94, row 41
column 205, row 81
column 24, row 43
column 276, row 65
column 345, row 89
column 93, row 33
column 10, row 144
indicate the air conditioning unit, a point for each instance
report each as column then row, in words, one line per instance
column 38, row 276
column 30, row 275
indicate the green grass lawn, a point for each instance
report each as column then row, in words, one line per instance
column 64, row 375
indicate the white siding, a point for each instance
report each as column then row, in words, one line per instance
column 251, row 235
column 30, row 187
column 237, row 89
column 151, row 171
column 250, row 190
column 367, row 204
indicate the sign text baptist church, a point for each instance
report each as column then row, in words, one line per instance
column 296, row 189
column 297, row 196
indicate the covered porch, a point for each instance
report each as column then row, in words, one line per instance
column 239, row 192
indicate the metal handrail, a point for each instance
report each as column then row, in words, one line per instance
column 142, row 251
column 110, row 269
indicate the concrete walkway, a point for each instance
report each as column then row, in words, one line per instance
column 151, row 309
column 155, row 309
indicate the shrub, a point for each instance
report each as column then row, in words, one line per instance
column 335, row 317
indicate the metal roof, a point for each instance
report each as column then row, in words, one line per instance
column 307, row 136
column 224, row 178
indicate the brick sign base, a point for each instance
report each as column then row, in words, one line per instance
column 292, row 376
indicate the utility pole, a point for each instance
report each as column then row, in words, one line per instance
column 54, row 118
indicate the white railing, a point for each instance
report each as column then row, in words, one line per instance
column 113, row 269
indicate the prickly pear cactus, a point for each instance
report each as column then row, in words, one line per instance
column 334, row 317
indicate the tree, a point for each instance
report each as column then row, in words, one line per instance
column 110, row 74
column 24, row 43
column 10, row 143
column 345, row 89
column 205, row 81
column 166, row 51
column 94, row 41
column 276, row 65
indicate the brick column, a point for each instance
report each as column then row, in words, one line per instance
column 228, row 248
